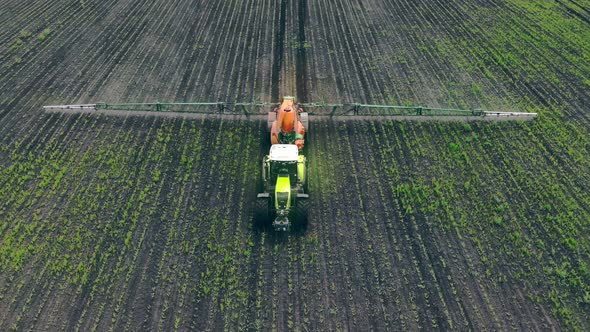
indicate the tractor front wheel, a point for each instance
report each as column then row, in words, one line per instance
column 261, row 212
column 301, row 213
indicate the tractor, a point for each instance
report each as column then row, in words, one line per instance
column 284, row 196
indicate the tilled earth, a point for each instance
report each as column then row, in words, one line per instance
column 137, row 222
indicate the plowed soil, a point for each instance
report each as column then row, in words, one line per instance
column 137, row 222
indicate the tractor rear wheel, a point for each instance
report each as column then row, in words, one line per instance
column 270, row 118
column 304, row 118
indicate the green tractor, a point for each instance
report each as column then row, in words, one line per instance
column 284, row 200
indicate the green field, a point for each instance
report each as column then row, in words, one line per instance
column 145, row 223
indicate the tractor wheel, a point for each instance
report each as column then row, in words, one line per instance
column 270, row 118
column 261, row 213
column 261, row 183
column 301, row 213
column 304, row 118
column 264, row 142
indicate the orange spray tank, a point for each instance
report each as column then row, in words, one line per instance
column 287, row 128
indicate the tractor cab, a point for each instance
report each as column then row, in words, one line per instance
column 284, row 160
column 285, row 186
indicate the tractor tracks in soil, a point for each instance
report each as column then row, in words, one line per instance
column 302, row 92
column 301, row 59
column 279, row 45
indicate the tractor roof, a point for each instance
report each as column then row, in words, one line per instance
column 284, row 152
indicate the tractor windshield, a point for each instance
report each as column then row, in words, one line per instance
column 285, row 167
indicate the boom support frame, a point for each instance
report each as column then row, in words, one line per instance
column 344, row 111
